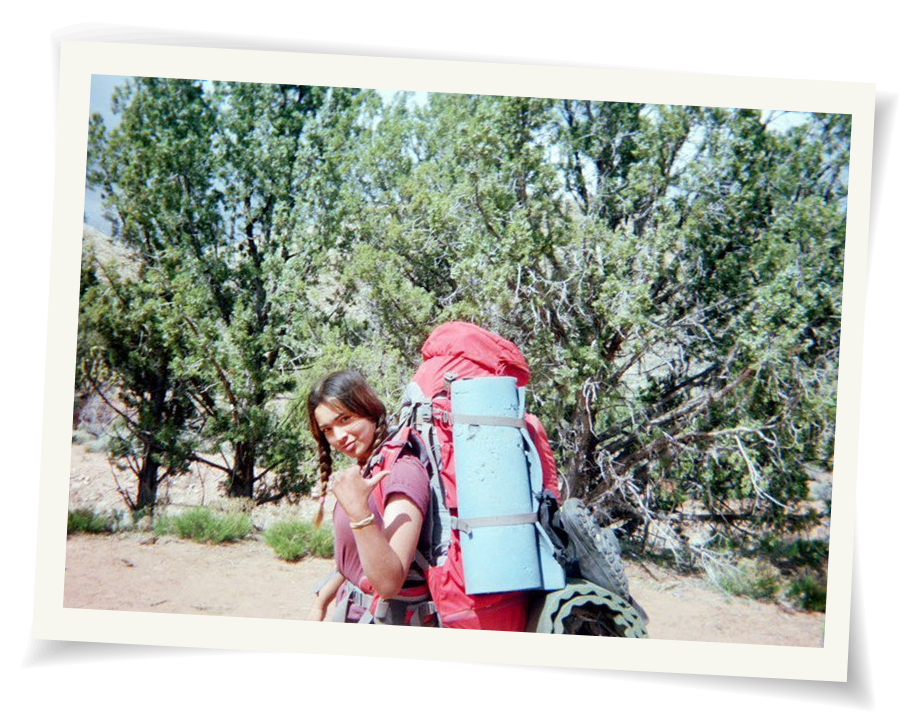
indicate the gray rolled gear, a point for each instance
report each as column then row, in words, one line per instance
column 596, row 551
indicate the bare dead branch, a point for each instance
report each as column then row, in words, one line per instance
column 202, row 460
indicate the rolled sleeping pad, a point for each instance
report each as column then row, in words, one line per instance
column 502, row 549
column 583, row 608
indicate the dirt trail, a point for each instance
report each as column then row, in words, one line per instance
column 142, row 573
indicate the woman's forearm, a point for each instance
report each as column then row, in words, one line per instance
column 387, row 549
column 329, row 588
column 381, row 565
column 324, row 595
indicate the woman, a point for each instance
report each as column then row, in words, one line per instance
column 376, row 531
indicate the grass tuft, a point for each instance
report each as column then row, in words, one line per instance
column 205, row 526
column 749, row 578
column 293, row 540
column 86, row 520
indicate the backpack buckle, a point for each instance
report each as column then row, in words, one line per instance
column 372, row 463
column 423, row 413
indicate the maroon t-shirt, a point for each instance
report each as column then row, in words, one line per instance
column 408, row 477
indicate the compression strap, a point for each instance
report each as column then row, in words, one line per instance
column 466, row 525
column 481, row 420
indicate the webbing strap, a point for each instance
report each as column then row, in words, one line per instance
column 485, row 420
column 466, row 525
column 422, row 613
column 421, row 561
column 438, row 523
column 354, row 595
column 426, row 430
column 400, row 612
column 411, row 607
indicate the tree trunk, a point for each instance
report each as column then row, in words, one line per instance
column 241, row 478
column 582, row 464
column 147, row 482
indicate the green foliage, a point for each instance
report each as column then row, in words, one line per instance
column 293, row 540
column 203, row 525
column 795, row 554
column 749, row 578
column 809, row 592
column 790, row 568
column 92, row 442
column 202, row 185
column 672, row 274
column 86, row 520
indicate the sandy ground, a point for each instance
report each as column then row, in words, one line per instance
column 139, row 572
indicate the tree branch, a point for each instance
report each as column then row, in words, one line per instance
column 202, row 460
column 230, row 394
column 134, row 426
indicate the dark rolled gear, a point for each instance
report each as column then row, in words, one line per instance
column 584, row 608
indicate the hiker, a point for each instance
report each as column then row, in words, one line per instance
column 409, row 553
column 370, row 549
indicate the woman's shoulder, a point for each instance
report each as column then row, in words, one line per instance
column 409, row 464
column 408, row 475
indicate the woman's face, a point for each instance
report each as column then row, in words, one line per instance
column 346, row 432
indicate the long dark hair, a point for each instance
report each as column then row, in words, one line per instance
column 350, row 390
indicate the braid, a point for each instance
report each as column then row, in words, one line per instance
column 324, row 477
column 381, row 436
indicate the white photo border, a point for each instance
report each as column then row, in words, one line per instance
column 80, row 60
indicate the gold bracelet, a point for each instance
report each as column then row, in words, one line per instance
column 363, row 523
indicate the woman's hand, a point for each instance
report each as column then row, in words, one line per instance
column 352, row 491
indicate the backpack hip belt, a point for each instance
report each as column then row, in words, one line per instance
column 412, row 607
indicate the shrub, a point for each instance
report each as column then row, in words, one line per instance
column 809, row 592
column 749, row 578
column 91, row 442
column 202, row 525
column 293, row 540
column 86, row 520
column 799, row 553
column 321, row 544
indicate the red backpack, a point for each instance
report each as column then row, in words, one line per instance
column 458, row 350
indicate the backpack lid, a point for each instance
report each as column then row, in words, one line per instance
column 491, row 352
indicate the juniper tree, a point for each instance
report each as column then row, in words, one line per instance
column 129, row 331
column 204, row 182
column 673, row 275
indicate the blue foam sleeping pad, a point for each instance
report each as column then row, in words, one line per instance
column 495, row 478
